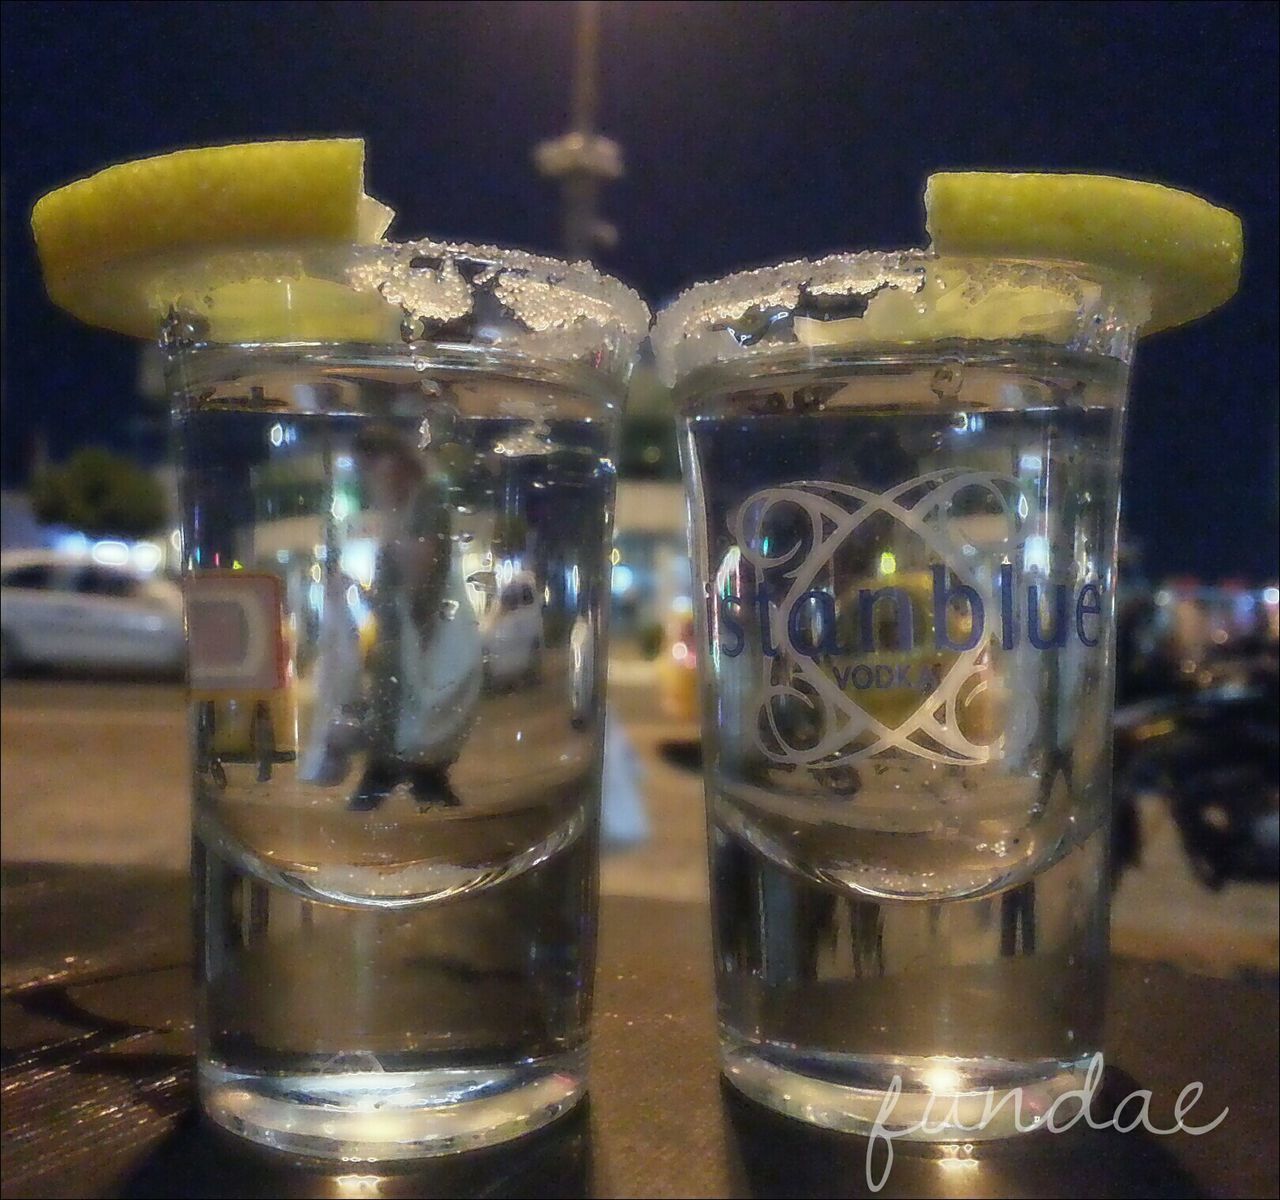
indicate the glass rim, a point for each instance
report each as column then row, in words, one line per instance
column 491, row 297
column 820, row 305
column 580, row 275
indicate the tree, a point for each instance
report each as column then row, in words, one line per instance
column 648, row 430
column 100, row 493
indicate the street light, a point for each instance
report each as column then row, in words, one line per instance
column 582, row 159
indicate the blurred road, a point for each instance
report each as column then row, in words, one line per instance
column 93, row 772
column 96, row 773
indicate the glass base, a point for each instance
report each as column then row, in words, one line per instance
column 377, row 1116
column 935, row 1099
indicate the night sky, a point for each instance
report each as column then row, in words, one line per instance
column 752, row 132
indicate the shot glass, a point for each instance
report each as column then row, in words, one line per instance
column 902, row 475
column 396, row 526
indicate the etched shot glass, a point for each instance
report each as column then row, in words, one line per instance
column 902, row 474
column 396, row 518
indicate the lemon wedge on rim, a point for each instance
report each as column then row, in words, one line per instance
column 946, row 307
column 1186, row 250
column 108, row 244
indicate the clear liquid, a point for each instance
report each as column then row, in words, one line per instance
column 395, row 839
column 922, row 893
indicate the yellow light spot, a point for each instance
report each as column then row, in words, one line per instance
column 942, row 1081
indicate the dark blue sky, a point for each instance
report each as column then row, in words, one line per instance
column 751, row 131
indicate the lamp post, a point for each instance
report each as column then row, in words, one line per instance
column 582, row 159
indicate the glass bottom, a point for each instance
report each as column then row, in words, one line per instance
column 377, row 1116
column 935, row 1099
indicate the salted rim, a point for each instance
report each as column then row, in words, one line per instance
column 626, row 303
column 563, row 307
column 697, row 329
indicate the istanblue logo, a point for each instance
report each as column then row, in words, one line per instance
column 1048, row 613
column 894, row 619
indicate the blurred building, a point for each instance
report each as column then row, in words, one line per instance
column 651, row 574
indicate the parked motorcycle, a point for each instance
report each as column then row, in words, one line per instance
column 1211, row 749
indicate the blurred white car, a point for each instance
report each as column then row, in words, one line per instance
column 59, row 610
column 512, row 630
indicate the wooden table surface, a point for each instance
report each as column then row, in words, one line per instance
column 98, row 1096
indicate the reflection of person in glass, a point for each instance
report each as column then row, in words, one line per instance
column 425, row 666
column 336, row 686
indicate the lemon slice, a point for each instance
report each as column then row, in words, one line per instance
column 107, row 242
column 1185, row 249
column 974, row 301
column 301, row 309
